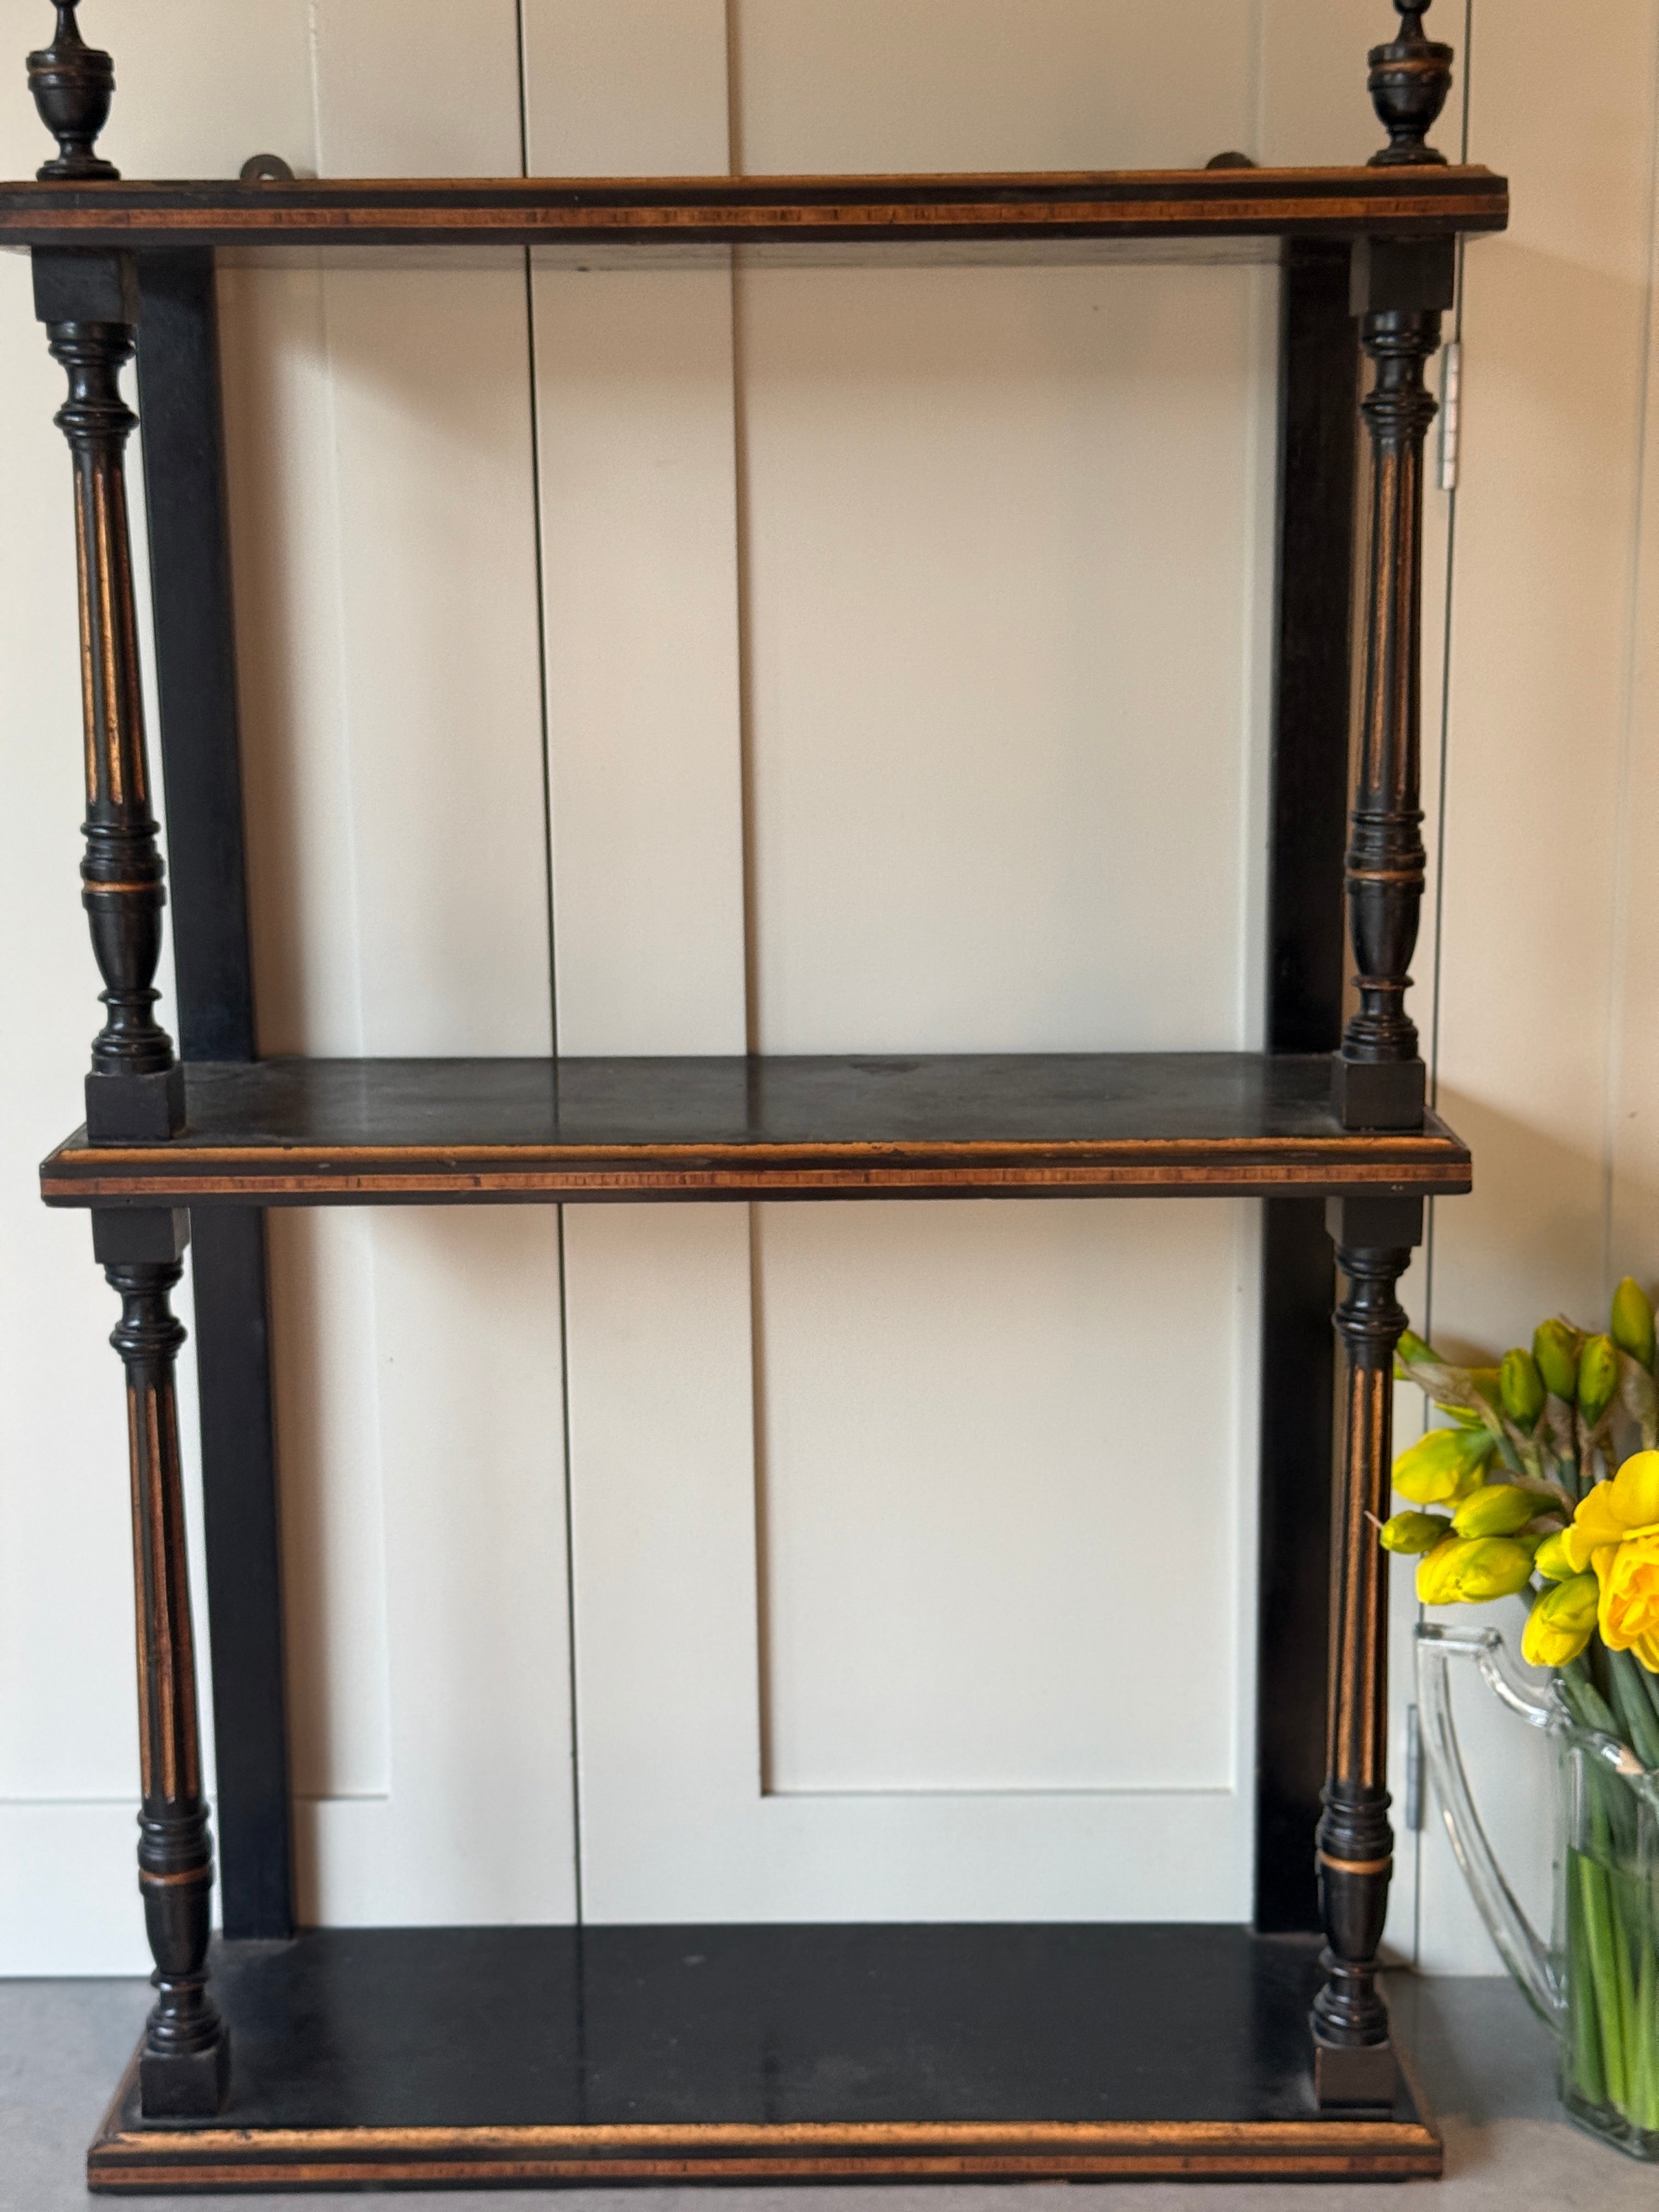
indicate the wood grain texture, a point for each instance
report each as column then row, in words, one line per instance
column 1172, row 204
column 303, row 1131
column 710, row 2052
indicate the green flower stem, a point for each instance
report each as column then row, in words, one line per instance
column 1624, row 1965
column 1588, row 2073
column 1601, row 1942
column 1641, row 1728
column 1644, row 2104
column 1588, row 1706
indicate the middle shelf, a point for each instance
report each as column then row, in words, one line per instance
column 957, row 1125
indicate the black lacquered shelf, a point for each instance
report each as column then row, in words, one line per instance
column 855, row 215
column 445, row 2056
column 420, row 1131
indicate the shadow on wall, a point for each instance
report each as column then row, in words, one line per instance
column 1534, row 1239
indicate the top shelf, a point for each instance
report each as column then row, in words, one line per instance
column 1236, row 211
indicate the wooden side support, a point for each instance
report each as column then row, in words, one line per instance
column 1354, row 2063
column 1398, row 288
column 185, row 504
column 89, row 305
column 1318, row 430
column 185, row 2064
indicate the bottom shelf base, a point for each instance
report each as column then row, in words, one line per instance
column 427, row 2057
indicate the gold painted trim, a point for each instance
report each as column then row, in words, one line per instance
column 175, row 1880
column 1433, row 1144
column 84, row 589
column 1334, row 2165
column 161, row 1597
column 140, row 1608
column 110, row 671
column 347, row 2157
column 1356, row 1866
column 794, row 2135
column 345, row 1188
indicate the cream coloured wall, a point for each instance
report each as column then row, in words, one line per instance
column 699, row 443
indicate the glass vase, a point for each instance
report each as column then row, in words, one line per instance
column 1595, row 1982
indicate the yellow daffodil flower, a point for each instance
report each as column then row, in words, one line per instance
column 1472, row 1569
column 1445, row 1466
column 1560, row 1623
column 1616, row 1531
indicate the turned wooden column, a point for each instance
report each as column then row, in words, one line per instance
column 1354, row 2063
column 185, row 2065
column 89, row 304
column 1398, row 288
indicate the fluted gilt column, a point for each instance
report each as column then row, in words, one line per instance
column 88, row 302
column 185, row 2064
column 1354, row 2063
column 1400, row 287
column 135, row 1090
column 1399, row 290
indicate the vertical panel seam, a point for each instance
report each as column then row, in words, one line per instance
column 740, row 525
column 538, row 515
column 1619, row 888
column 1429, row 1211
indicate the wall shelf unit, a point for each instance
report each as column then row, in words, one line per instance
column 334, row 2059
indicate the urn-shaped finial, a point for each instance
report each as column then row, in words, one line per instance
column 1409, row 81
column 73, row 84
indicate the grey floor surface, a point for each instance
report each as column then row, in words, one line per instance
column 1484, row 2064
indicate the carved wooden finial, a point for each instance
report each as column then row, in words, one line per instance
column 1409, row 81
column 73, row 84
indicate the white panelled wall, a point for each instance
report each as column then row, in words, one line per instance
column 668, row 661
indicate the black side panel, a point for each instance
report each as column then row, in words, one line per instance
column 1319, row 393
column 196, row 669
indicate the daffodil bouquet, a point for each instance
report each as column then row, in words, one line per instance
column 1526, row 1472
column 1545, row 1486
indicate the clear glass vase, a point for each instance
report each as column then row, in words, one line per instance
column 1595, row 1982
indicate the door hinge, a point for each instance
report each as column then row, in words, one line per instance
column 1451, row 382
column 1414, row 1808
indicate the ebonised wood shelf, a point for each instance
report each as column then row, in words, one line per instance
column 866, row 214
column 416, row 1132
column 447, row 2056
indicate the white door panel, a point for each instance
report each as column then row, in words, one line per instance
column 381, row 455
column 676, row 1821
column 857, row 1495
column 1002, row 530
column 975, row 1444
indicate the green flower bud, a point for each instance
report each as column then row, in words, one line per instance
column 1598, row 1377
column 1633, row 1322
column 1443, row 1466
column 1500, row 1509
column 1414, row 1532
column 1412, row 1352
column 1556, row 1345
column 1522, row 1388
column 1473, row 1570
column 1551, row 1559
